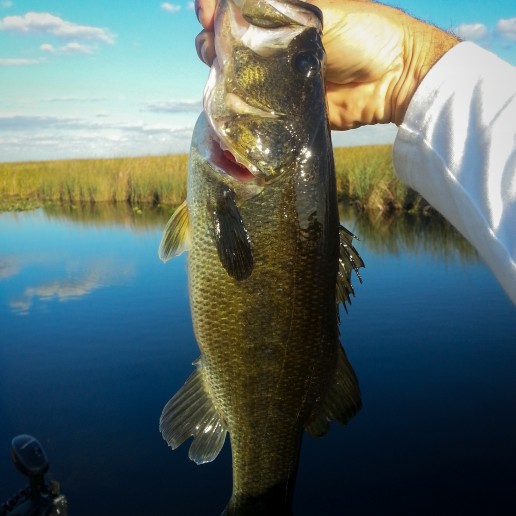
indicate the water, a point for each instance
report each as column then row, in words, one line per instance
column 95, row 336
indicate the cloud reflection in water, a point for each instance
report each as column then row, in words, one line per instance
column 98, row 275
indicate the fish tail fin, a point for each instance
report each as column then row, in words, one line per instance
column 191, row 413
column 342, row 401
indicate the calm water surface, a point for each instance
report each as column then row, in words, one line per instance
column 95, row 336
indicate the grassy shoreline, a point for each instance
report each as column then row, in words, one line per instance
column 365, row 179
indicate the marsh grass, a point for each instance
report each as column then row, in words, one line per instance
column 365, row 179
column 147, row 180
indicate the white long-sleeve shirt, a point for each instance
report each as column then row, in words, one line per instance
column 457, row 148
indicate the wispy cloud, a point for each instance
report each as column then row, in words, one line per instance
column 190, row 6
column 32, row 123
column 48, row 24
column 471, row 31
column 178, row 106
column 5, row 4
column 70, row 48
column 170, row 8
column 507, row 28
column 54, row 137
column 20, row 61
column 75, row 99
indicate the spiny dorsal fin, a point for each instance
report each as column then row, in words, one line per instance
column 190, row 412
column 349, row 260
column 176, row 236
column 231, row 237
column 342, row 401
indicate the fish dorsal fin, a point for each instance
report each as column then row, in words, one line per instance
column 342, row 401
column 176, row 236
column 231, row 237
column 349, row 260
column 190, row 412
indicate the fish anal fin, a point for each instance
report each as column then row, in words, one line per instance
column 349, row 260
column 191, row 413
column 342, row 401
column 231, row 236
column 176, row 236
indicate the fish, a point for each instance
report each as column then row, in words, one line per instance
column 268, row 261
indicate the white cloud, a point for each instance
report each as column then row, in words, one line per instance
column 46, row 23
column 190, row 6
column 471, row 31
column 507, row 28
column 6, row 4
column 178, row 106
column 19, row 61
column 170, row 8
column 70, row 48
column 75, row 99
column 27, row 138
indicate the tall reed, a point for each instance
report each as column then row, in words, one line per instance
column 147, row 180
column 365, row 178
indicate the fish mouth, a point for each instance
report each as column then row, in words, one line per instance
column 234, row 106
column 225, row 161
column 256, row 140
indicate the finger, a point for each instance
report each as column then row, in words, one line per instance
column 205, row 12
column 205, row 46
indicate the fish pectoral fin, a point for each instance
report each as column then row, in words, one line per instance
column 190, row 412
column 231, row 236
column 176, row 236
column 349, row 260
column 342, row 401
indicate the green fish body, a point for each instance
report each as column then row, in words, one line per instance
column 268, row 263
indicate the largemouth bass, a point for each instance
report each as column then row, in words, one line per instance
column 268, row 261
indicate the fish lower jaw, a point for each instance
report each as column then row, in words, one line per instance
column 223, row 157
column 233, row 156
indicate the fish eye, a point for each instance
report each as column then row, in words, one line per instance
column 307, row 64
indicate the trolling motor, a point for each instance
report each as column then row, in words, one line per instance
column 40, row 497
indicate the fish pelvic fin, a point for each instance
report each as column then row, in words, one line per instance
column 191, row 413
column 176, row 236
column 342, row 401
column 349, row 260
column 231, row 236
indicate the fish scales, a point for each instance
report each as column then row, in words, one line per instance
column 267, row 261
column 269, row 342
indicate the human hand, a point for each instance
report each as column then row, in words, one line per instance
column 376, row 58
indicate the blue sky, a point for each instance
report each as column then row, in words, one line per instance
column 110, row 79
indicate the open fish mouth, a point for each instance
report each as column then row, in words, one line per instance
column 249, row 112
column 236, row 106
column 223, row 160
column 226, row 161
